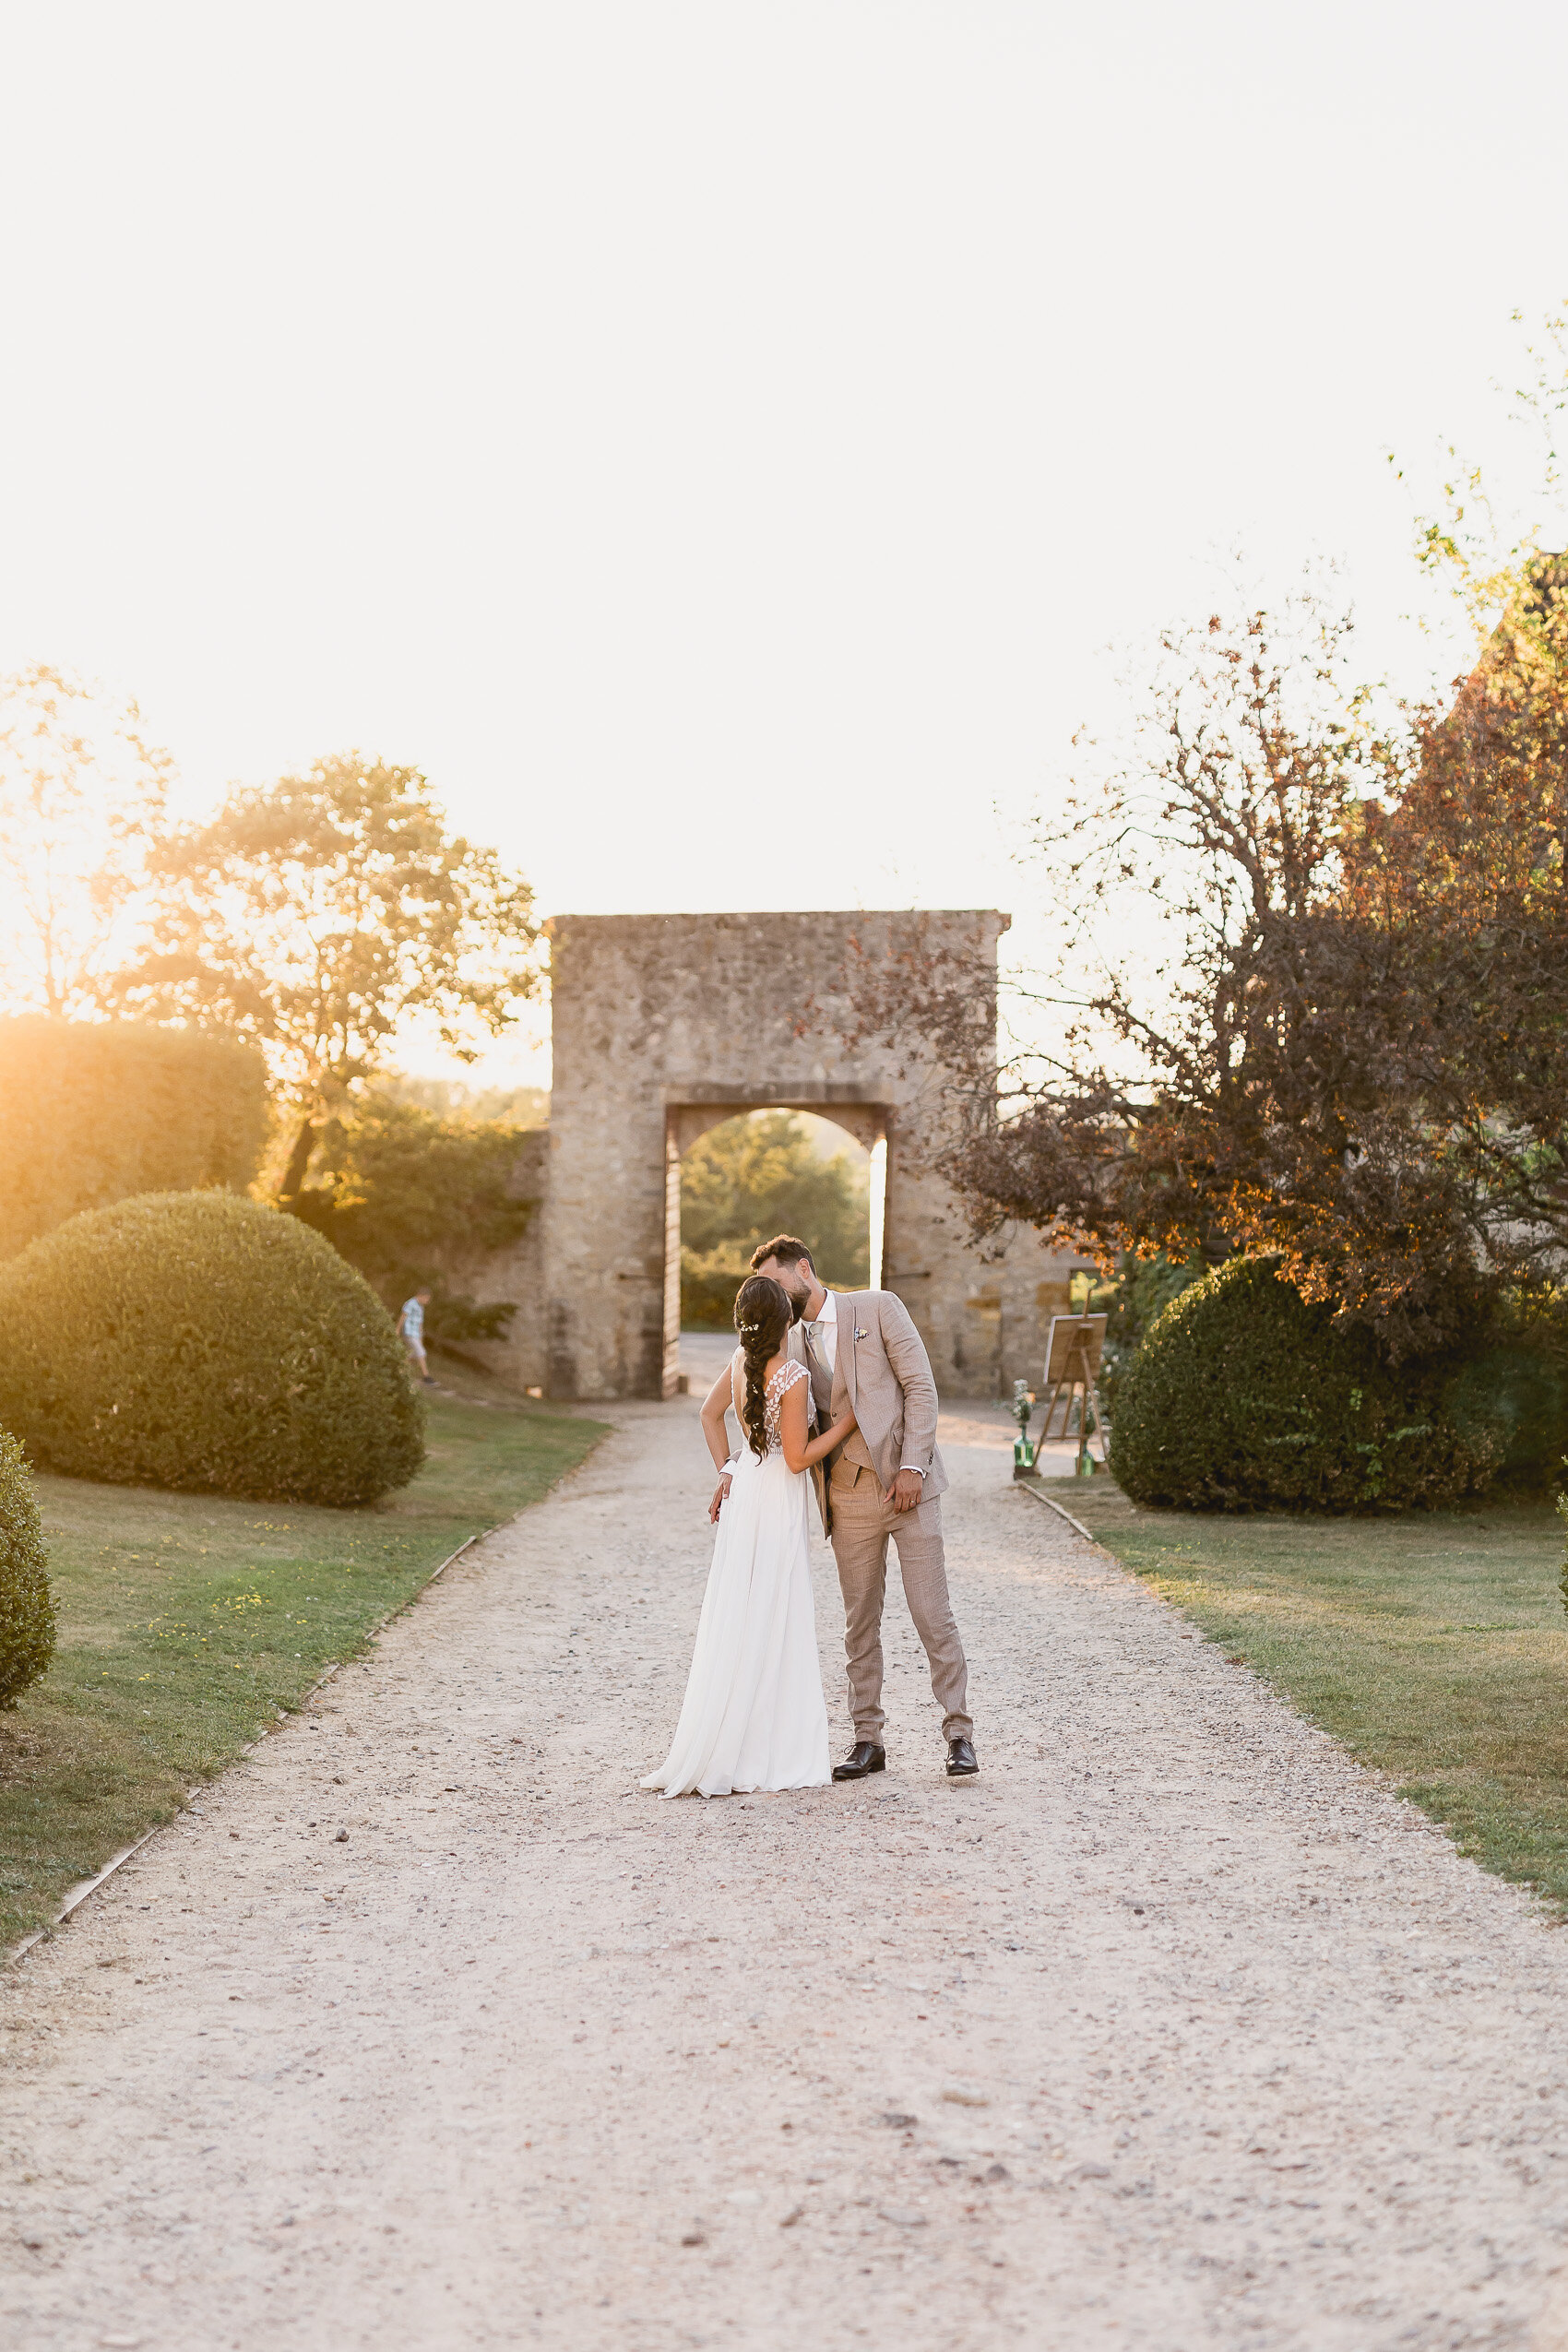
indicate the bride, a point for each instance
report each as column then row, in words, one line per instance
column 753, row 1716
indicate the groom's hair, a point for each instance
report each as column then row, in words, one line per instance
column 786, row 1249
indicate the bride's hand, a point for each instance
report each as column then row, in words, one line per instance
column 801, row 1452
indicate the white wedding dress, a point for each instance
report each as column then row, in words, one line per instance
column 753, row 1716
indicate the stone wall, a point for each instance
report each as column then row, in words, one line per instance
column 666, row 1024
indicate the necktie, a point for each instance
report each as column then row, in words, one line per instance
column 822, row 1384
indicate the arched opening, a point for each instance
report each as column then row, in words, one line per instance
column 765, row 1170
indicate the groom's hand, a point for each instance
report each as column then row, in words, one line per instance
column 721, row 1493
column 906, row 1492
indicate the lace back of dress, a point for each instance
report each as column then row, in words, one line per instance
column 778, row 1387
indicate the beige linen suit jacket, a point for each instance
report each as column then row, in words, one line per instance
column 882, row 1373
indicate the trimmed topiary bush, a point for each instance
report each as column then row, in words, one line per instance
column 1243, row 1398
column 26, row 1613
column 195, row 1340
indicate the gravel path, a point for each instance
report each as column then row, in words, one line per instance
column 1175, row 2030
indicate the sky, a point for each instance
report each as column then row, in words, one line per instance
column 730, row 449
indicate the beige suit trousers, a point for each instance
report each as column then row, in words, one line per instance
column 863, row 1523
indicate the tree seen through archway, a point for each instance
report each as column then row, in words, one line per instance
column 767, row 1172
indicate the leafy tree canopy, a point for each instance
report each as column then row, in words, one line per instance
column 1312, row 994
column 760, row 1175
column 319, row 913
column 410, row 1198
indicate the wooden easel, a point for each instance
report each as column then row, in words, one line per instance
column 1072, row 1352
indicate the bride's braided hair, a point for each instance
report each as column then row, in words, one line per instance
column 763, row 1316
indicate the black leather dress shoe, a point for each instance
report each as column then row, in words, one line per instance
column 962, row 1763
column 863, row 1757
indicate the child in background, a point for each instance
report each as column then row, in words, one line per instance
column 410, row 1326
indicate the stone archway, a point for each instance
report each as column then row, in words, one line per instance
column 684, row 1123
column 664, row 1025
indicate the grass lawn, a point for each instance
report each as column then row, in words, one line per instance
column 1434, row 1646
column 186, row 1622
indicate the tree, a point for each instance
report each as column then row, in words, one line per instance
column 1195, row 1071
column 751, row 1178
column 319, row 913
column 1312, row 998
column 1473, row 546
column 1348, row 1053
column 412, row 1197
column 1352, row 1048
column 1464, row 877
column 82, row 796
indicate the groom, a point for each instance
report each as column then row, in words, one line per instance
column 864, row 1354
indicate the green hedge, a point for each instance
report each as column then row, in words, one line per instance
column 1242, row 1396
column 1522, row 1389
column 26, row 1613
column 195, row 1340
column 98, row 1110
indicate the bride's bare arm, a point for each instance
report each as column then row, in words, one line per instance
column 715, row 1404
column 797, row 1454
